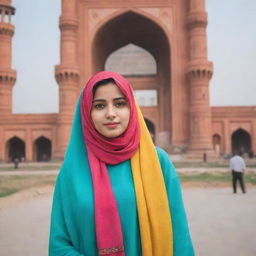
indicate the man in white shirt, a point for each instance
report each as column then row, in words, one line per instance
column 237, row 166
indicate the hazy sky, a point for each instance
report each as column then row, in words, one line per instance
column 231, row 46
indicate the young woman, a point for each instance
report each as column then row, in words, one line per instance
column 116, row 193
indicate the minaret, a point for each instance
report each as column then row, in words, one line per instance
column 67, row 75
column 199, row 73
column 7, row 74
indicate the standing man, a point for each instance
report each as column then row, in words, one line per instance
column 237, row 166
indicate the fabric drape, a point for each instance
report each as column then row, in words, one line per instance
column 135, row 144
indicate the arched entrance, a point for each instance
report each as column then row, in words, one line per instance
column 216, row 141
column 134, row 29
column 122, row 61
column 241, row 141
column 15, row 148
column 42, row 149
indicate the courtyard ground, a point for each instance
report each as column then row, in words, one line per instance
column 221, row 223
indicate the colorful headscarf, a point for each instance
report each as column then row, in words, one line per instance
column 135, row 144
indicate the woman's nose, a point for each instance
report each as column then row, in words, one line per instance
column 111, row 113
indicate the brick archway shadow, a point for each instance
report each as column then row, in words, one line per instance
column 42, row 149
column 15, row 148
column 241, row 141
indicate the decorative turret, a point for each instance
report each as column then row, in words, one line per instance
column 7, row 74
column 67, row 75
column 199, row 72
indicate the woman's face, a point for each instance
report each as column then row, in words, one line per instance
column 110, row 111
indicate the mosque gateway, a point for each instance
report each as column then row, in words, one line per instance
column 160, row 46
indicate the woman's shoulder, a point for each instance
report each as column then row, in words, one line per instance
column 166, row 163
column 162, row 155
column 161, row 151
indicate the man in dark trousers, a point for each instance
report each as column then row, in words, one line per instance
column 237, row 166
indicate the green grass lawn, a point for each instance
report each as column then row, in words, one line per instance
column 179, row 164
column 208, row 165
column 213, row 178
column 30, row 168
column 10, row 184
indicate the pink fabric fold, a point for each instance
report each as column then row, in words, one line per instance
column 102, row 150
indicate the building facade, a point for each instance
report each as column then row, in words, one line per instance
column 174, row 95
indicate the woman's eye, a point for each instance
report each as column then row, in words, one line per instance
column 120, row 103
column 99, row 106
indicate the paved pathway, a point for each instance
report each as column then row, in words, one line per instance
column 24, row 227
column 221, row 223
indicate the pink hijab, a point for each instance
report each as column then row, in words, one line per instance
column 102, row 151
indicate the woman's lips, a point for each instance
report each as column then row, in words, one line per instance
column 112, row 125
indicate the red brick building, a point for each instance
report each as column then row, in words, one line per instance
column 172, row 84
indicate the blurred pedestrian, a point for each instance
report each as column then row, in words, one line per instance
column 16, row 162
column 237, row 166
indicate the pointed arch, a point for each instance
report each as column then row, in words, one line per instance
column 122, row 61
column 128, row 27
column 15, row 148
column 241, row 141
column 123, row 11
column 42, row 149
column 216, row 142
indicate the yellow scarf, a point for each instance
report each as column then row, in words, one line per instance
column 152, row 202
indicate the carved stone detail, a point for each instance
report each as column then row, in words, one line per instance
column 6, row 29
column 163, row 14
column 95, row 15
column 204, row 70
column 8, row 77
column 197, row 19
column 63, row 74
column 68, row 23
column 6, row 5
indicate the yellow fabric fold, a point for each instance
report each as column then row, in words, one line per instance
column 152, row 202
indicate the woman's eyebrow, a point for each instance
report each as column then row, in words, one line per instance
column 98, row 100
column 120, row 98
column 103, row 100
